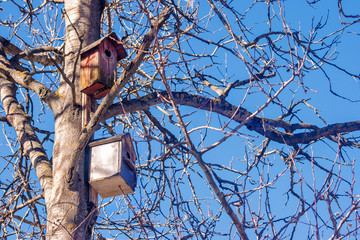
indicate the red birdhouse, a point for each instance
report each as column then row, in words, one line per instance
column 98, row 65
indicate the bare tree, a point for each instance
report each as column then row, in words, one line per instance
column 222, row 101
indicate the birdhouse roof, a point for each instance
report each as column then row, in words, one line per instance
column 116, row 138
column 121, row 53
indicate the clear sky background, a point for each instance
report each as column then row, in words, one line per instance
column 335, row 109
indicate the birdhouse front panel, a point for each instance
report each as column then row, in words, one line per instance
column 112, row 166
column 108, row 60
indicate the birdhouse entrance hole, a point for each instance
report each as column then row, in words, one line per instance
column 107, row 53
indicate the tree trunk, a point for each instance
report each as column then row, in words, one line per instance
column 70, row 214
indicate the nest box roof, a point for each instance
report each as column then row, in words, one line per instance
column 121, row 53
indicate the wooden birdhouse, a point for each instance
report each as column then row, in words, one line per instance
column 112, row 166
column 98, row 65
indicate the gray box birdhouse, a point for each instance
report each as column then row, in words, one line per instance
column 112, row 166
column 98, row 65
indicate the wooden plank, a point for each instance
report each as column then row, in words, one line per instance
column 86, row 110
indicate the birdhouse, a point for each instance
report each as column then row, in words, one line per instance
column 98, row 65
column 112, row 166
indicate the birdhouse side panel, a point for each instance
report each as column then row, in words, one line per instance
column 128, row 158
column 89, row 70
column 108, row 62
column 128, row 152
column 120, row 52
column 128, row 174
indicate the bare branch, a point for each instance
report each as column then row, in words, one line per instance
column 263, row 126
column 25, row 80
column 26, row 136
column 37, row 55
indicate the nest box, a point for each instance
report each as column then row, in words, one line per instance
column 98, row 65
column 112, row 166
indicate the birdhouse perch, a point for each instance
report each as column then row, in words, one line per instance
column 98, row 65
column 112, row 166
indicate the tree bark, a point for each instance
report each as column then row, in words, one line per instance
column 70, row 214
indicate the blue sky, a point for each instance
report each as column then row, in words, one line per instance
column 333, row 108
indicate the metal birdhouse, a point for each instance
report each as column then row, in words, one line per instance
column 98, row 65
column 112, row 166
